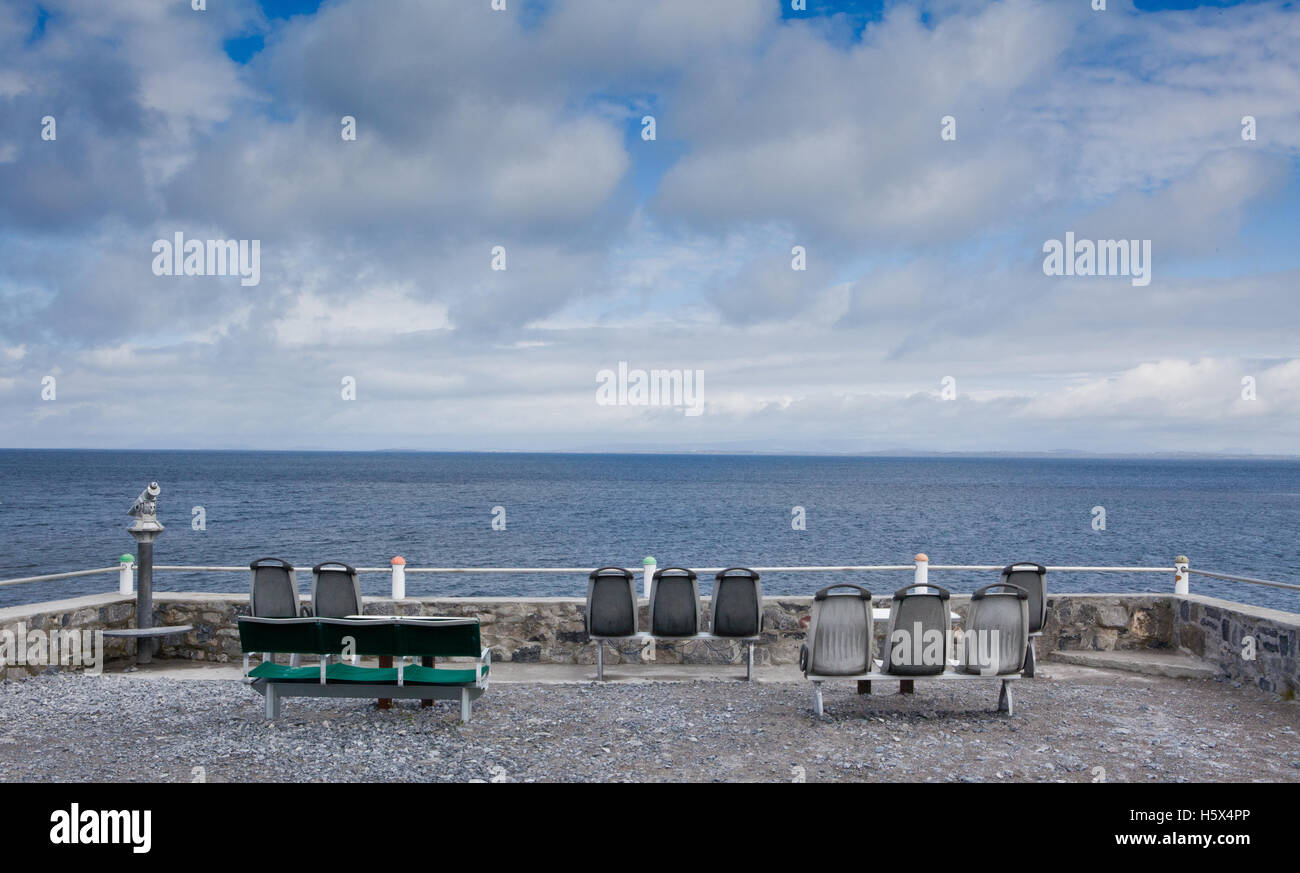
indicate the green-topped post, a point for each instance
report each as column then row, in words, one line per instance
column 649, row 565
column 125, row 575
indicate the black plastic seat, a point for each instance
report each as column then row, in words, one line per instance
column 1032, row 578
column 335, row 590
column 273, row 590
column 611, row 603
column 737, row 605
column 920, row 630
column 840, row 635
column 674, row 603
column 995, row 637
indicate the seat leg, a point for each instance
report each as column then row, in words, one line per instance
column 864, row 686
column 1031, row 660
column 1005, row 702
column 749, row 665
column 295, row 660
column 907, row 686
column 465, row 706
column 272, row 701
column 818, row 708
column 600, row 660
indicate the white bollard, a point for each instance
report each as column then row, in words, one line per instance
column 399, row 578
column 649, row 565
column 126, row 576
column 1180, row 574
column 922, row 569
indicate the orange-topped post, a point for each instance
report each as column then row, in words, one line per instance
column 399, row 578
column 922, row 569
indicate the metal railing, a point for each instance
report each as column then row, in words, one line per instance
column 398, row 570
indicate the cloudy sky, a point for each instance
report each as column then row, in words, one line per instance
column 774, row 128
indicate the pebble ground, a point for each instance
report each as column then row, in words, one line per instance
column 1073, row 724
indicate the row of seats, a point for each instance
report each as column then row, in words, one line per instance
column 335, row 590
column 675, row 606
column 995, row 639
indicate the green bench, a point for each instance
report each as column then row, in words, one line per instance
column 401, row 638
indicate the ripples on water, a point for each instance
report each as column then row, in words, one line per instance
column 65, row 510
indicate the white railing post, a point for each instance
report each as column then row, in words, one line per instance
column 126, row 575
column 1180, row 574
column 922, row 569
column 399, row 578
column 648, row 565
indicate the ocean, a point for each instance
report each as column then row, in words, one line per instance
column 66, row 510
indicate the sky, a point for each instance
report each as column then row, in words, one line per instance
column 915, row 159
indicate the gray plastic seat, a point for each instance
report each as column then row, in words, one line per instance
column 1032, row 578
column 737, row 606
column 840, row 635
column 920, row 631
column 674, row 603
column 995, row 637
column 273, row 590
column 335, row 590
column 611, row 603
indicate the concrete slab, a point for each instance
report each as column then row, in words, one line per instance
column 1061, row 665
column 1168, row 664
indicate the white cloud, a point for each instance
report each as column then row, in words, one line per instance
column 478, row 129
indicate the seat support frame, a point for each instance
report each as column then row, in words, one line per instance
column 644, row 637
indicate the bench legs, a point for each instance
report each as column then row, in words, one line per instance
column 465, row 706
column 272, row 702
column 1005, row 702
column 817, row 699
column 385, row 702
column 426, row 702
column 600, row 660
column 1031, row 658
column 749, row 665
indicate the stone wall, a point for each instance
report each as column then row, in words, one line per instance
column 544, row 629
column 95, row 612
column 1108, row 622
column 1248, row 643
column 552, row 630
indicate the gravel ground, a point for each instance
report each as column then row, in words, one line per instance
column 1066, row 726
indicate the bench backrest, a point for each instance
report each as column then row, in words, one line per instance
column 737, row 605
column 440, row 637
column 359, row 636
column 840, row 635
column 273, row 589
column 283, row 635
column 611, row 603
column 674, row 603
